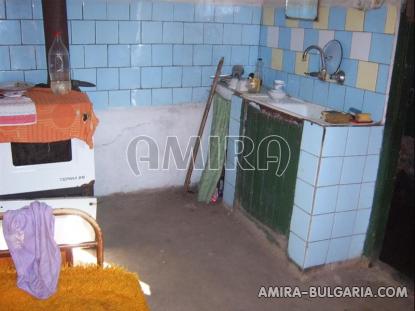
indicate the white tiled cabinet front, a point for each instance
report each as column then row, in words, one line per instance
column 232, row 156
column 334, row 193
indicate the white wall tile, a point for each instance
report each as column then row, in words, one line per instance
column 297, row 39
column 272, row 37
column 375, row 139
column 312, row 138
column 339, row 249
column 348, row 197
column 344, row 224
column 321, row 227
column 316, row 253
column 330, row 171
column 296, row 249
column 356, row 245
column 367, row 192
column 303, row 196
column 357, row 141
column 371, row 168
column 300, row 223
column 307, row 167
column 325, row 200
column 325, row 36
column 334, row 141
column 352, row 171
column 360, row 45
column 362, row 221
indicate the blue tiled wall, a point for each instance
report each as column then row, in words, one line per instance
column 367, row 39
column 136, row 52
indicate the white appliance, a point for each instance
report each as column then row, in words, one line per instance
column 68, row 229
column 70, row 168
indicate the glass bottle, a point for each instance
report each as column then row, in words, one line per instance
column 259, row 73
column 59, row 68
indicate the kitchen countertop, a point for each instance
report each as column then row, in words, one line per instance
column 263, row 100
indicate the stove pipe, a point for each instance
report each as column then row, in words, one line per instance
column 54, row 20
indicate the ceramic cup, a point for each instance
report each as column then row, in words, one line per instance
column 279, row 85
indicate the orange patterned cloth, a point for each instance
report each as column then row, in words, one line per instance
column 59, row 117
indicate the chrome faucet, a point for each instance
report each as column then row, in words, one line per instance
column 321, row 74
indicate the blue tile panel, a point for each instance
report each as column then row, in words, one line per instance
column 381, row 48
column 107, row 32
column 83, row 32
column 375, row 20
column 94, row 9
column 107, row 79
column 19, row 9
column 193, row 33
column 304, row 193
column 334, row 193
column 141, row 10
column 74, row 11
column 337, row 18
column 134, row 45
column 2, row 9
column 161, row 96
column 4, row 58
column 129, row 32
column 22, row 57
column 141, row 97
column 300, row 223
column 312, row 138
column 118, row 10
column 32, row 32
column 10, row 32
column 184, row 12
column 118, row 55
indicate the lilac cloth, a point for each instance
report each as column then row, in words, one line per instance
column 29, row 234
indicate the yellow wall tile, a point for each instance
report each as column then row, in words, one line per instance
column 391, row 19
column 268, row 16
column 354, row 20
column 300, row 65
column 322, row 19
column 291, row 22
column 367, row 74
column 276, row 61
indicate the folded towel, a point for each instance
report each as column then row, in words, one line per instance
column 17, row 111
column 29, row 234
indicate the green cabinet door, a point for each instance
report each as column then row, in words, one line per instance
column 268, row 166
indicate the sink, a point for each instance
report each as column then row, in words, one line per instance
column 290, row 105
column 298, row 107
column 304, row 109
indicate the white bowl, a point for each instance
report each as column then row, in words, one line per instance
column 276, row 94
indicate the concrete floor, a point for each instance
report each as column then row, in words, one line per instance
column 197, row 257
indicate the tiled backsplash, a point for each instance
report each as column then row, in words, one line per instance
column 136, row 52
column 153, row 53
column 367, row 39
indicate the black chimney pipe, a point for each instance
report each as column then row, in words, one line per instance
column 54, row 20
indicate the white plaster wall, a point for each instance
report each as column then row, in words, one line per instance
column 118, row 127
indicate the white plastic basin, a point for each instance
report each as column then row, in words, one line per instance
column 298, row 107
